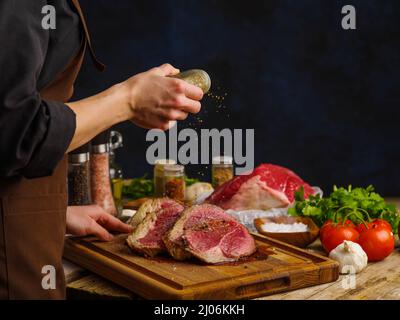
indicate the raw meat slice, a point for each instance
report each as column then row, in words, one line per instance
column 268, row 186
column 160, row 216
column 150, row 205
column 208, row 233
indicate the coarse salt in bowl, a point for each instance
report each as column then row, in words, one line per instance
column 284, row 228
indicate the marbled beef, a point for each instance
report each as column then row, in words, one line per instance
column 159, row 215
column 208, row 233
column 268, row 186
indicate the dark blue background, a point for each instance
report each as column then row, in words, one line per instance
column 323, row 101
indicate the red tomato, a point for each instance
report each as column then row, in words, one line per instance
column 377, row 242
column 329, row 224
column 336, row 234
column 376, row 222
column 325, row 227
column 383, row 223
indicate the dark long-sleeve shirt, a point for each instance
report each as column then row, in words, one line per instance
column 34, row 134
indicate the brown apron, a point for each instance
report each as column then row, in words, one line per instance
column 33, row 212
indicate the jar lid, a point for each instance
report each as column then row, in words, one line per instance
column 164, row 162
column 197, row 77
column 174, row 168
column 78, row 157
column 100, row 148
column 222, row 160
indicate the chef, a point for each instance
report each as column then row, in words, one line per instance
column 39, row 126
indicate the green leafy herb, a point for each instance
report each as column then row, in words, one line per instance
column 190, row 181
column 356, row 204
column 138, row 188
column 143, row 187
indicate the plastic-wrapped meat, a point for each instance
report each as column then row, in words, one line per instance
column 268, row 186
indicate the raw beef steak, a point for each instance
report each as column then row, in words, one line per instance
column 149, row 206
column 161, row 214
column 268, row 186
column 208, row 233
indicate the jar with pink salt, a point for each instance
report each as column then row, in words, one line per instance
column 100, row 173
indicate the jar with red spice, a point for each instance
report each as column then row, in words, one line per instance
column 174, row 182
column 158, row 176
column 100, row 173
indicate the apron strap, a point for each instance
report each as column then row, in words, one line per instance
column 99, row 65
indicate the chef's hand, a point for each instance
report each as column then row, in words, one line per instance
column 156, row 99
column 93, row 220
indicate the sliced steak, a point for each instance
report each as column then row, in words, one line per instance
column 268, row 186
column 149, row 206
column 160, row 216
column 208, row 233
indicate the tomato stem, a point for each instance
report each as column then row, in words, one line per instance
column 337, row 212
column 366, row 212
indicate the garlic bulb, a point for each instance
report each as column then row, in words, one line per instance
column 351, row 257
column 196, row 190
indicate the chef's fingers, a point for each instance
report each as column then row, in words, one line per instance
column 188, row 105
column 113, row 224
column 174, row 114
column 163, row 123
column 160, row 123
column 165, row 70
column 171, row 124
column 193, row 92
column 189, row 90
column 97, row 230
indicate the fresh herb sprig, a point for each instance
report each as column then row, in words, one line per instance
column 142, row 187
column 356, row 204
column 138, row 188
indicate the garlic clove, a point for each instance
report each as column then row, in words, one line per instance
column 351, row 257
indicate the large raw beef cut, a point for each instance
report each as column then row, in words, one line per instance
column 208, row 233
column 268, row 186
column 159, row 215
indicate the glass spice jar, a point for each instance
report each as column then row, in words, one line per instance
column 79, row 177
column 100, row 174
column 158, row 175
column 196, row 77
column 116, row 173
column 174, row 182
column 222, row 170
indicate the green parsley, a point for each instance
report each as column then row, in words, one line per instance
column 143, row 187
column 356, row 204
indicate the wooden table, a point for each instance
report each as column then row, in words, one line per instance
column 380, row 280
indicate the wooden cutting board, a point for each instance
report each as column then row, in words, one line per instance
column 276, row 267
